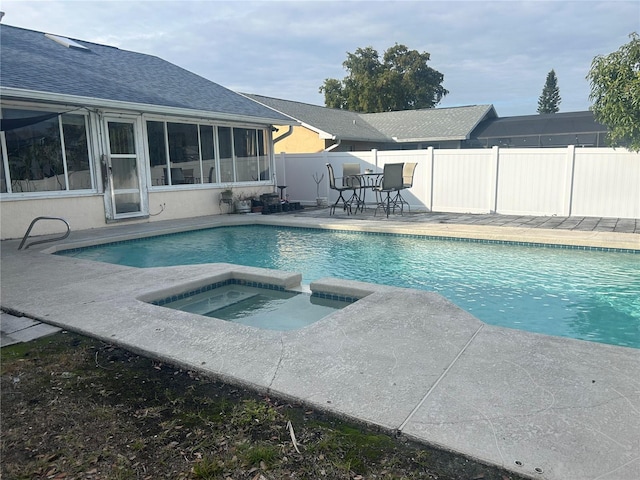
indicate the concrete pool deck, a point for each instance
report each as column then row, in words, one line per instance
column 407, row 361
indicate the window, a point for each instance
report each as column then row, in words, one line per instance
column 76, row 152
column 226, row 155
column 182, row 153
column 208, row 152
column 263, row 158
column 252, row 163
column 50, row 155
column 246, row 150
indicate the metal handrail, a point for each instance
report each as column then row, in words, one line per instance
column 26, row 235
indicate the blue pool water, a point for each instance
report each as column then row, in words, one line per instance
column 584, row 294
column 258, row 307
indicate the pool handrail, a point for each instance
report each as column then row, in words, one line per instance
column 46, row 240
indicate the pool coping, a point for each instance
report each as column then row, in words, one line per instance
column 407, row 361
column 538, row 237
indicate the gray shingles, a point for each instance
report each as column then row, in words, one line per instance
column 432, row 124
column 31, row 61
column 552, row 123
column 342, row 124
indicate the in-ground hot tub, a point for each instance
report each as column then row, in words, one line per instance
column 257, row 305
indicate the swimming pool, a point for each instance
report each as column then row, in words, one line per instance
column 585, row 294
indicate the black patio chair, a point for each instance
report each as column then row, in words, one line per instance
column 346, row 205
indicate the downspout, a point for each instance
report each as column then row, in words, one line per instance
column 284, row 135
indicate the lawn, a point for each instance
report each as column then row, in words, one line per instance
column 77, row 408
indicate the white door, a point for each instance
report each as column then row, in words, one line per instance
column 124, row 169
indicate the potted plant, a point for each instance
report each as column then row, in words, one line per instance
column 320, row 201
column 243, row 203
column 226, row 198
column 226, row 195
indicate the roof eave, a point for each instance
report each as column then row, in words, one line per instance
column 429, row 139
column 21, row 94
column 321, row 133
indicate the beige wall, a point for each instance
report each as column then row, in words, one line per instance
column 87, row 212
column 302, row 140
column 81, row 213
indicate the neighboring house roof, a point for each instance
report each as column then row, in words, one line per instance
column 329, row 123
column 431, row 124
column 543, row 124
column 32, row 62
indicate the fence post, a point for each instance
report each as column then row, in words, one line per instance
column 325, row 160
column 568, row 180
column 284, row 168
column 430, row 178
column 375, row 157
column 495, row 172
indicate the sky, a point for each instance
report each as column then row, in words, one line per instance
column 490, row 52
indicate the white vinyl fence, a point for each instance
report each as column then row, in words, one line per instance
column 595, row 182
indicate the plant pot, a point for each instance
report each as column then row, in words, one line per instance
column 243, row 206
column 322, row 201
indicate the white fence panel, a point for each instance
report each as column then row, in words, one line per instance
column 419, row 195
column 296, row 171
column 297, row 175
column 462, row 181
column 534, row 181
column 606, row 183
column 533, row 184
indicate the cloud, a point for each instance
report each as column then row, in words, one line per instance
column 489, row 52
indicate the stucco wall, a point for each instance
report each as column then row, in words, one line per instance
column 302, row 140
column 87, row 212
column 81, row 213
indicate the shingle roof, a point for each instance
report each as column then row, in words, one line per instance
column 338, row 124
column 33, row 62
column 545, row 124
column 431, row 124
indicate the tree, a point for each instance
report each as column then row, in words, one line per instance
column 550, row 96
column 401, row 81
column 615, row 93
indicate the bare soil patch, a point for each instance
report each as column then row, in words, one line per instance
column 77, row 408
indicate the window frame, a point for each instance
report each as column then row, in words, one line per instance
column 263, row 157
column 8, row 191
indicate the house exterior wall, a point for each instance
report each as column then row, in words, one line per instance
column 80, row 212
column 87, row 212
column 23, row 198
column 302, row 140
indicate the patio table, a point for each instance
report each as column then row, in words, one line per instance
column 366, row 181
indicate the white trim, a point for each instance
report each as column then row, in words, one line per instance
column 321, row 133
column 8, row 197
